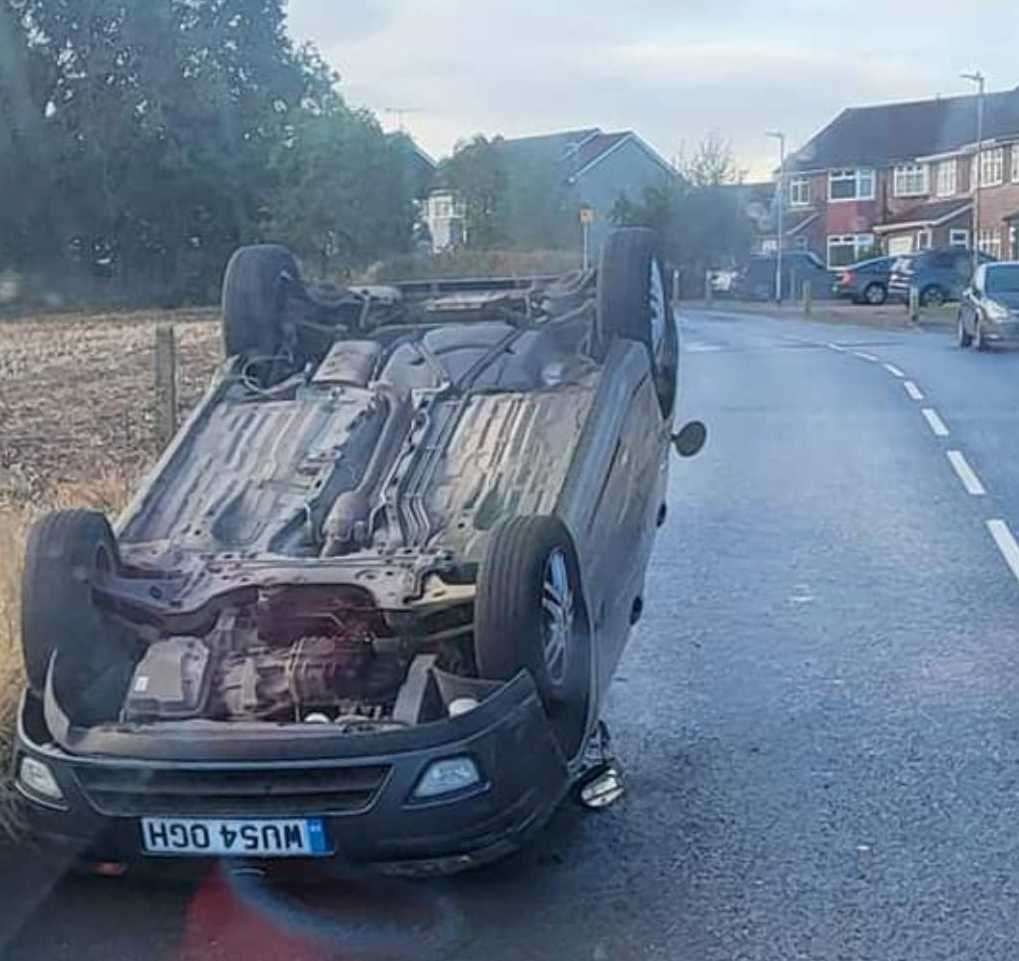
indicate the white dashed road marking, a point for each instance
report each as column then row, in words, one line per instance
column 936, row 423
column 893, row 370
column 913, row 390
column 1006, row 544
column 841, row 350
column 966, row 474
column 863, row 356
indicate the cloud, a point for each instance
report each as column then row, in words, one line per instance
column 670, row 69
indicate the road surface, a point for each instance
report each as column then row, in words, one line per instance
column 818, row 716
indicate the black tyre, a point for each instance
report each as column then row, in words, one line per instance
column 529, row 613
column 875, row 294
column 965, row 337
column 634, row 303
column 932, row 296
column 66, row 553
column 254, row 296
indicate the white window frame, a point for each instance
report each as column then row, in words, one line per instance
column 860, row 176
column 1014, row 150
column 958, row 237
column 859, row 243
column 799, row 192
column 910, row 180
column 924, row 240
column 992, row 167
column 947, row 186
column 989, row 241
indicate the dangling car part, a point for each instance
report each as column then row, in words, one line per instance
column 369, row 601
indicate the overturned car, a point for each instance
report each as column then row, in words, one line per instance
column 369, row 601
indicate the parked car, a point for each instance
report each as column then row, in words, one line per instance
column 865, row 282
column 756, row 279
column 722, row 281
column 370, row 602
column 939, row 275
column 989, row 308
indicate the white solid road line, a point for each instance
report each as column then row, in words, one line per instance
column 936, row 423
column 913, row 390
column 893, row 370
column 966, row 474
column 863, row 356
column 1006, row 544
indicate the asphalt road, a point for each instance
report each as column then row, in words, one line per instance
column 818, row 715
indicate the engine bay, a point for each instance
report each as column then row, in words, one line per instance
column 295, row 654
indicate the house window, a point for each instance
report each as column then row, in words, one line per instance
column 846, row 249
column 958, row 238
column 923, row 240
column 989, row 241
column 910, row 180
column 1015, row 163
column 947, row 178
column 851, row 184
column 992, row 167
column 799, row 192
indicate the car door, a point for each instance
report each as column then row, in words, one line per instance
column 962, row 270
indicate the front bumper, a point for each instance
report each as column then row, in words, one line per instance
column 524, row 776
column 1001, row 331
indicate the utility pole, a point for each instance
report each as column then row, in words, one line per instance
column 978, row 78
column 780, row 137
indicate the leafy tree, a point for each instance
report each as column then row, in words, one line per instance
column 477, row 172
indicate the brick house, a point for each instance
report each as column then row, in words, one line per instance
column 900, row 177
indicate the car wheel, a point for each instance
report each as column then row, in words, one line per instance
column 633, row 302
column 932, row 296
column 875, row 294
column 67, row 555
column 254, row 294
column 529, row 614
column 965, row 337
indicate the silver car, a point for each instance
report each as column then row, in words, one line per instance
column 989, row 308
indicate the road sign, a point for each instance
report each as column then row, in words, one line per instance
column 587, row 215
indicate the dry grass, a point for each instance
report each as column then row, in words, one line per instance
column 75, row 431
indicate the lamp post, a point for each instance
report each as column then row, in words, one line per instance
column 978, row 78
column 780, row 137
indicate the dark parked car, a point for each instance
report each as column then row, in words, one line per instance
column 369, row 603
column 865, row 282
column 989, row 308
column 756, row 279
column 939, row 275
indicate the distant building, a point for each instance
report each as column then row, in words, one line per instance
column 594, row 169
column 445, row 216
column 900, row 177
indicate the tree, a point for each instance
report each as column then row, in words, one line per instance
column 477, row 173
column 712, row 164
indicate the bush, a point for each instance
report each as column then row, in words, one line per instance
column 472, row 263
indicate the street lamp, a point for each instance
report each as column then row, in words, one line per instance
column 780, row 137
column 978, row 78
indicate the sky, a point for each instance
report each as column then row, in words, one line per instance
column 674, row 71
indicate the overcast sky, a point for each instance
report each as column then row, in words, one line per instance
column 672, row 70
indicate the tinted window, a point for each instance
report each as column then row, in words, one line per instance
column 1003, row 280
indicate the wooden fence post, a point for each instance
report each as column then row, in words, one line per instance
column 709, row 291
column 166, row 384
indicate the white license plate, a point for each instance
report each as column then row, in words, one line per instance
column 235, row 837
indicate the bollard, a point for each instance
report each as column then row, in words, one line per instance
column 709, row 291
column 166, row 384
column 914, row 303
column 808, row 299
column 675, row 289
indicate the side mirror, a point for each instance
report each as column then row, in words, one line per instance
column 690, row 438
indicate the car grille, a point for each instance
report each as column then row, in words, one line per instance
column 247, row 792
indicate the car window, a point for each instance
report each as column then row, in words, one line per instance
column 1002, row 279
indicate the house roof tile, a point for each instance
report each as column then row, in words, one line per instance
column 886, row 133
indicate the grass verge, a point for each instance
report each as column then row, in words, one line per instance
column 107, row 493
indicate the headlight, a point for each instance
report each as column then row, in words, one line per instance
column 996, row 311
column 447, row 776
column 37, row 779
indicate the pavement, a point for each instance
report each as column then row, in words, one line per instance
column 817, row 715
